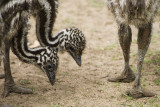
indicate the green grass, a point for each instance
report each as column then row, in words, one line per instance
column 134, row 41
column 147, row 61
column 117, row 84
column 157, row 82
column 111, row 47
column 112, row 96
column 96, row 3
column 55, row 105
column 152, row 59
column 130, row 102
column 156, row 70
column 154, row 101
column 154, row 38
column 126, row 97
column 115, row 58
column 143, row 85
column 24, row 81
column 134, row 69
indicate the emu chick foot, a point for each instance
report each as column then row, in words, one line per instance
column 2, row 76
column 15, row 89
column 126, row 78
column 139, row 93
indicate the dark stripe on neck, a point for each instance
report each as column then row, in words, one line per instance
column 41, row 27
column 41, row 20
column 18, row 51
column 26, row 47
column 56, row 36
column 52, row 18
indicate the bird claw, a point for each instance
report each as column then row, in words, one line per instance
column 139, row 93
column 126, row 78
column 122, row 79
column 15, row 89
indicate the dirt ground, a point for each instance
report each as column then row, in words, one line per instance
column 87, row 86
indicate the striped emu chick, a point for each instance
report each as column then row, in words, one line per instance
column 43, row 57
column 139, row 13
column 13, row 30
column 71, row 40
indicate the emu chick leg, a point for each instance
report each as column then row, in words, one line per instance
column 9, row 85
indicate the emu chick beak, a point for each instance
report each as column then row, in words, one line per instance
column 51, row 76
column 77, row 59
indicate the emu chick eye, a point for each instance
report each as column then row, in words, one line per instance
column 49, row 66
column 72, row 49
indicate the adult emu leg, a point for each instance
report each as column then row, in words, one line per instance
column 1, row 54
column 125, row 38
column 1, row 75
column 9, row 85
column 144, row 38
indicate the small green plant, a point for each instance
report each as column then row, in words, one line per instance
column 133, row 54
column 157, row 70
column 115, row 57
column 33, row 89
column 126, row 96
column 157, row 82
column 134, row 41
column 97, row 3
column 153, row 101
column 134, row 69
column 147, row 61
column 55, row 105
column 51, row 104
column 144, row 85
column 156, row 105
column 112, row 96
column 117, row 84
column 111, row 47
column 24, row 81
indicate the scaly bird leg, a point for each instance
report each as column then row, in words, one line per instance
column 144, row 38
column 9, row 85
column 125, row 38
column 1, row 75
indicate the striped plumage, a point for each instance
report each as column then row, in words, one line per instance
column 13, row 27
column 42, row 57
column 139, row 13
column 135, row 12
column 45, row 12
column 72, row 40
column 15, row 13
column 38, row 56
